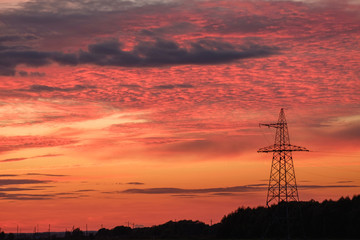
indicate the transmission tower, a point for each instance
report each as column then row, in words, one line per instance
column 282, row 182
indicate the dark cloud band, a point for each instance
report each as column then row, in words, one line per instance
column 4, row 182
column 195, row 191
column 221, row 191
column 145, row 54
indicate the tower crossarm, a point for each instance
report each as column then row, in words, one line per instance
column 283, row 148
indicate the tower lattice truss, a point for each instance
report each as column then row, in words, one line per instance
column 282, row 182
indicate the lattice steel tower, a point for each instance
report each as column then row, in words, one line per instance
column 282, row 182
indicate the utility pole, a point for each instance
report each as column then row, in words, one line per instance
column 282, row 182
column 282, row 186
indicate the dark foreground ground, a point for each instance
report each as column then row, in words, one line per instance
column 295, row 220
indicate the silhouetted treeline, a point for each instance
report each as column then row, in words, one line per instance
column 170, row 230
column 329, row 219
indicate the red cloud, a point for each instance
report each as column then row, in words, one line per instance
column 16, row 143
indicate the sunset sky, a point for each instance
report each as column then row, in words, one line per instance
column 146, row 111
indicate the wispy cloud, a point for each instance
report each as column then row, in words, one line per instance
column 135, row 183
column 4, row 182
column 344, row 181
column 22, row 159
column 85, row 190
column 17, row 189
column 194, row 191
column 13, row 159
column 20, row 142
column 45, row 174
column 220, row 191
column 22, row 197
column 327, row 186
column 172, row 86
column 45, row 88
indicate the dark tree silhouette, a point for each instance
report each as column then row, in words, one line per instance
column 327, row 220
